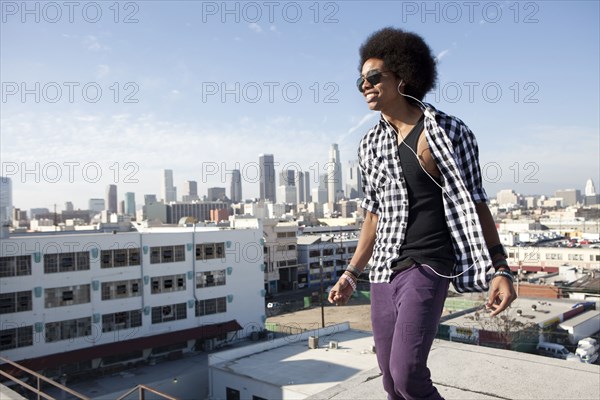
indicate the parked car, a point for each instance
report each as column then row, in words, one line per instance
column 589, row 342
column 555, row 350
column 587, row 354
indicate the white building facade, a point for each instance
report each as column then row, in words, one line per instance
column 86, row 301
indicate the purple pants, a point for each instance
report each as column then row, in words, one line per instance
column 405, row 314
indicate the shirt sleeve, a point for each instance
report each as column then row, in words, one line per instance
column 370, row 201
column 467, row 154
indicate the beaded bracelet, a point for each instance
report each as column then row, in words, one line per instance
column 350, row 281
column 504, row 274
column 353, row 270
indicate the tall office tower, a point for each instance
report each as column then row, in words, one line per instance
column 150, row 199
column 306, row 185
column 6, row 204
column 235, row 186
column 216, row 193
column 130, row 203
column 190, row 190
column 96, row 205
column 300, row 188
column 334, row 174
column 590, row 189
column 353, row 180
column 287, row 178
column 266, row 164
column 319, row 194
column 169, row 192
column 111, row 198
column 69, row 206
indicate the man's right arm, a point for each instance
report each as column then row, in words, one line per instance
column 342, row 290
column 366, row 241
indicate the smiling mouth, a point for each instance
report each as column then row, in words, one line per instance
column 369, row 97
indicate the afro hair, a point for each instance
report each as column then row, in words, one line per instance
column 406, row 55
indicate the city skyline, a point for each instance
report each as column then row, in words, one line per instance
column 205, row 191
column 87, row 103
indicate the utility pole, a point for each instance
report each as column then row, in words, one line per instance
column 321, row 293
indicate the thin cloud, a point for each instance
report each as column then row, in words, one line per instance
column 92, row 43
column 255, row 27
column 442, row 54
column 102, row 71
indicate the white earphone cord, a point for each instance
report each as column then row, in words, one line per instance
column 443, row 192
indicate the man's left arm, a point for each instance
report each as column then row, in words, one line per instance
column 502, row 292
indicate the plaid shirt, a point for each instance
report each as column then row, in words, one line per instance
column 454, row 149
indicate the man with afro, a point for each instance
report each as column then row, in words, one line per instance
column 427, row 222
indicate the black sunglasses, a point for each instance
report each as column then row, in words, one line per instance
column 373, row 77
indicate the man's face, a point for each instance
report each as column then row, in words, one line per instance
column 382, row 94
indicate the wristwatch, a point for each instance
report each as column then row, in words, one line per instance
column 497, row 249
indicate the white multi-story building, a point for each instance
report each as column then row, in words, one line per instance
column 75, row 302
column 335, row 251
column 279, row 239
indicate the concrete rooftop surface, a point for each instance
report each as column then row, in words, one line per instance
column 463, row 371
column 459, row 371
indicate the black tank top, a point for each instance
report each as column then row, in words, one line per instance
column 427, row 239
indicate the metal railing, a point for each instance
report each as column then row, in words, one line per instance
column 38, row 391
column 141, row 391
column 38, row 379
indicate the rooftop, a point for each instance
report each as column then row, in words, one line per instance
column 459, row 371
column 544, row 310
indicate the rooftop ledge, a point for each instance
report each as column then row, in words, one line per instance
column 463, row 371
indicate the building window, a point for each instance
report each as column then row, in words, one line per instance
column 16, row 337
column 67, row 296
column 155, row 255
column 69, row 329
column 210, row 251
column 120, row 289
column 15, row 266
column 211, row 306
column 211, row 278
column 167, row 254
column 169, row 283
column 169, row 313
column 66, row 262
column 121, row 320
column 232, row 394
column 15, row 302
column 120, row 258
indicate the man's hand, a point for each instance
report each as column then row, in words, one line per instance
column 340, row 293
column 502, row 294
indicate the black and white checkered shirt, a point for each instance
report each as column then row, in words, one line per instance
column 454, row 149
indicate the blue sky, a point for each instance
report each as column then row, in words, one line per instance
column 107, row 92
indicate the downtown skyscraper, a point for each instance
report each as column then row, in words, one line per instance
column 235, row 186
column 168, row 191
column 111, row 198
column 266, row 164
column 334, row 175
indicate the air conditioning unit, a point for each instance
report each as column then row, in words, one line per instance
column 334, row 344
column 313, row 342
